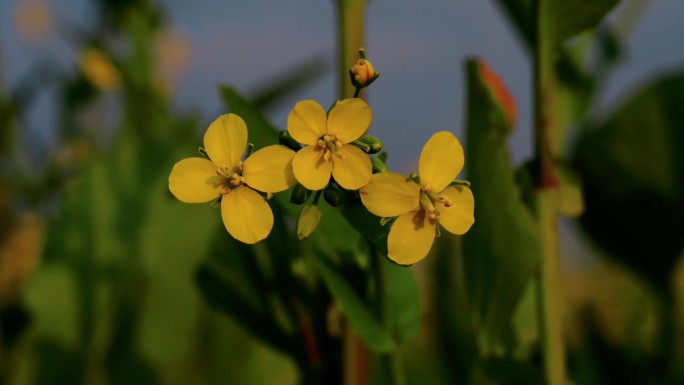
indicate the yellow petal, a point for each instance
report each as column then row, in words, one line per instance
column 194, row 180
column 246, row 215
column 269, row 169
column 306, row 122
column 411, row 238
column 440, row 161
column 457, row 218
column 225, row 140
column 310, row 169
column 390, row 194
column 349, row 119
column 352, row 168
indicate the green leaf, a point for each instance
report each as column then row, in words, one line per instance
column 225, row 297
column 560, row 19
column 360, row 317
column 403, row 300
column 520, row 15
column 501, row 250
column 632, row 168
column 563, row 19
column 401, row 289
column 288, row 83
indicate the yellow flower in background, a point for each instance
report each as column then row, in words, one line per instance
column 327, row 139
column 246, row 215
column 99, row 70
column 421, row 206
column 172, row 55
column 33, row 19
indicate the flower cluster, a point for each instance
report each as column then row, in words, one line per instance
column 335, row 155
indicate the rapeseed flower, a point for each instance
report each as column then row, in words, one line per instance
column 99, row 70
column 420, row 203
column 246, row 215
column 327, row 138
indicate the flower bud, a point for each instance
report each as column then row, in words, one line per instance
column 300, row 194
column 369, row 144
column 378, row 165
column 362, row 73
column 335, row 195
column 308, row 221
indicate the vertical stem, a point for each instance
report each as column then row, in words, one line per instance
column 350, row 28
column 392, row 361
column 546, row 199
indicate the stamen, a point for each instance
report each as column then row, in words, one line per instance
column 326, row 155
column 321, row 143
column 445, row 201
column 235, row 180
column 338, row 143
column 426, row 202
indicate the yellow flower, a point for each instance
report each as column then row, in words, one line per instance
column 246, row 215
column 327, row 141
column 33, row 19
column 420, row 206
column 99, row 70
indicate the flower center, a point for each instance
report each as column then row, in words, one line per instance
column 428, row 201
column 330, row 145
column 230, row 178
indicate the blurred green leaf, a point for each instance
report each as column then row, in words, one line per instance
column 563, row 19
column 507, row 371
column 632, row 167
column 560, row 19
column 501, row 250
column 226, row 297
column 59, row 365
column 520, row 15
column 291, row 81
column 457, row 338
column 359, row 315
column 403, row 300
column 402, row 291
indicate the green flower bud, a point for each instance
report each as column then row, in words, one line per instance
column 378, row 165
column 308, row 221
column 286, row 140
column 300, row 194
column 335, row 195
column 369, row 143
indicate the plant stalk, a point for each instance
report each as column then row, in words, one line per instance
column 546, row 199
column 351, row 17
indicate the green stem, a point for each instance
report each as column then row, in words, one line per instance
column 357, row 91
column 351, row 29
column 546, row 200
column 393, row 361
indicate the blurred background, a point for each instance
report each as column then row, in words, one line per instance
column 98, row 100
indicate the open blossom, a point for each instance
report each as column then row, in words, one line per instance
column 327, row 138
column 420, row 206
column 245, row 212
